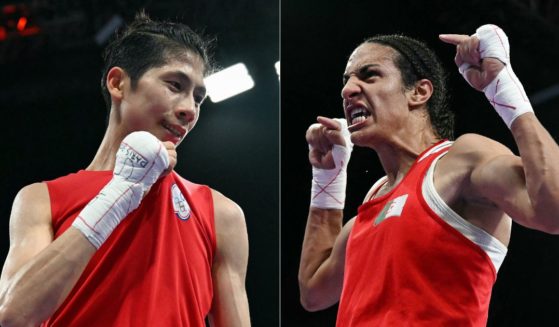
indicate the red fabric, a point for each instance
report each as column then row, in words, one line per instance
column 154, row 269
column 412, row 269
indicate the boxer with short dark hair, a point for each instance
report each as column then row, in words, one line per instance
column 426, row 244
column 146, row 44
column 127, row 241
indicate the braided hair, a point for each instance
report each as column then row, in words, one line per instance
column 416, row 61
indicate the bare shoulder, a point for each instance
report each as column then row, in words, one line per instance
column 476, row 157
column 31, row 208
column 30, row 226
column 231, row 233
column 227, row 213
column 475, row 146
column 36, row 193
column 454, row 175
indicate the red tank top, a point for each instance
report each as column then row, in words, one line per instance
column 405, row 266
column 154, row 269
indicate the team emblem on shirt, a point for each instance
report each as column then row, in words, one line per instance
column 392, row 209
column 182, row 209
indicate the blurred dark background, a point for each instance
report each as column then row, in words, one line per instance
column 54, row 115
column 317, row 37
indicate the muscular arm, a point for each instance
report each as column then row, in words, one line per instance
column 38, row 273
column 230, row 304
column 526, row 188
column 321, row 270
column 540, row 158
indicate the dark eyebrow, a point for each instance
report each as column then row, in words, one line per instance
column 360, row 71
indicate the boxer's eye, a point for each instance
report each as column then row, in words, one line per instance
column 368, row 72
column 174, row 86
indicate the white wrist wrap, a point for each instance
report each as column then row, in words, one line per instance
column 505, row 92
column 329, row 185
column 140, row 160
column 507, row 96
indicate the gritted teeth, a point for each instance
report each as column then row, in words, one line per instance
column 358, row 115
column 358, row 120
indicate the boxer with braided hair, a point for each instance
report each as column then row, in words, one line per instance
column 428, row 241
column 127, row 241
column 416, row 61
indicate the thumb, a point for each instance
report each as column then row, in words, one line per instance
column 474, row 77
column 335, row 137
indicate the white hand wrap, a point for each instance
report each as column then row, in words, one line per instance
column 505, row 93
column 140, row 160
column 328, row 185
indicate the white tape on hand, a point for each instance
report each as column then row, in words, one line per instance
column 140, row 161
column 505, row 92
column 329, row 185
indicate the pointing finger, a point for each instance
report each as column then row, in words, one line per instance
column 453, row 38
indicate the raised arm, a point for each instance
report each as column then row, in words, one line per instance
column 39, row 273
column 230, row 304
column 525, row 187
column 323, row 252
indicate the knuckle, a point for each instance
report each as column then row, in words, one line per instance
column 312, row 130
column 314, row 127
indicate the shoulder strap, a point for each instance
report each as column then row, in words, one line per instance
column 376, row 187
column 437, row 148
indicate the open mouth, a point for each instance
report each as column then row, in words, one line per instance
column 358, row 115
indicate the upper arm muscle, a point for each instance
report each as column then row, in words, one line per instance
column 30, row 227
column 230, row 306
column 501, row 179
column 496, row 178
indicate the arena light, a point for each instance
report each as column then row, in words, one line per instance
column 277, row 66
column 21, row 23
column 228, row 82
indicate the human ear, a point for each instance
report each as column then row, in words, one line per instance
column 115, row 83
column 420, row 93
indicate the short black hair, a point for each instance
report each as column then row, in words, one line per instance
column 417, row 61
column 146, row 44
